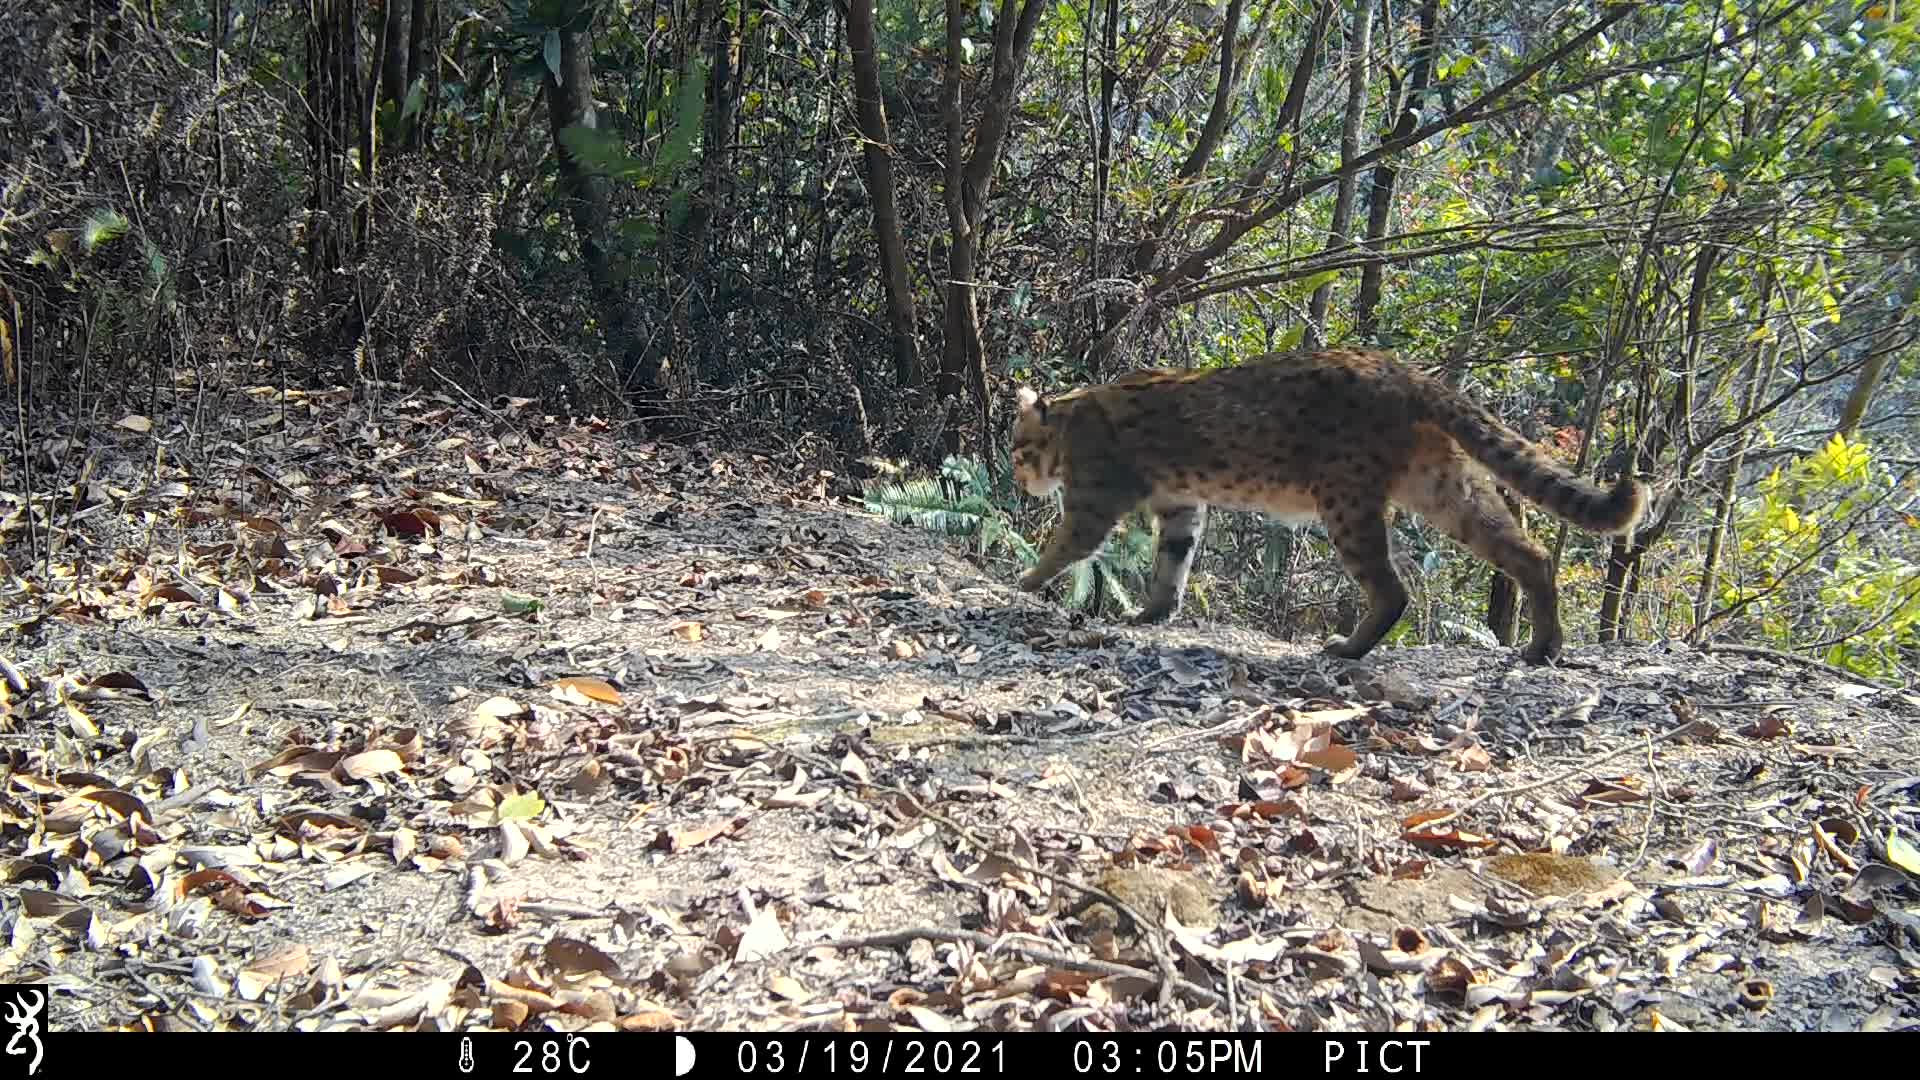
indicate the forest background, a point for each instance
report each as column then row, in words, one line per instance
column 1673, row 236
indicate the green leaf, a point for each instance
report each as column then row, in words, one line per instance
column 104, row 227
column 552, row 52
column 639, row 232
column 1306, row 286
column 605, row 154
column 686, row 103
column 522, row 807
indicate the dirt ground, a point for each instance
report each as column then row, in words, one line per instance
column 429, row 716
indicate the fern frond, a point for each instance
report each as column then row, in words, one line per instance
column 1121, row 597
column 922, row 504
column 1080, row 584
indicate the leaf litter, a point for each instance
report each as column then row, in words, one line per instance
column 442, row 720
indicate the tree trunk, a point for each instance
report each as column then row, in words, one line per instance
column 720, row 43
column 1103, row 167
column 1386, row 175
column 969, row 184
column 419, row 55
column 1503, row 595
column 1888, row 344
column 393, row 55
column 957, row 311
column 1623, row 558
column 1359, row 60
column 870, row 113
column 1758, row 380
column 570, row 104
column 332, row 91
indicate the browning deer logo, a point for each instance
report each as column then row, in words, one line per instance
column 25, row 1019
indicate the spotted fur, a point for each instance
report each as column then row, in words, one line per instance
column 1261, row 436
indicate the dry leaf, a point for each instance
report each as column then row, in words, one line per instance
column 763, row 939
column 682, row 839
column 584, row 691
column 372, row 763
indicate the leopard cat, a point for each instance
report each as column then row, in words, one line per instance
column 1332, row 434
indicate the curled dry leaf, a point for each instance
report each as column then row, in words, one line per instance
column 1340, row 762
column 514, row 844
column 681, row 839
column 1443, row 837
column 653, row 1018
column 1472, row 759
column 1700, row 857
column 576, row 957
column 371, row 763
column 1198, row 835
column 579, row 690
column 297, row 759
column 199, row 879
column 343, row 875
column 1902, row 853
column 789, row 988
column 1756, row 994
column 763, row 939
column 45, row 904
column 282, row 965
column 1394, row 959
column 1449, row 977
column 592, row 778
column 487, row 724
column 416, row 521
column 1615, row 791
column 688, row 631
column 113, row 684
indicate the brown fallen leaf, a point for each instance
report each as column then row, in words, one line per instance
column 580, row 690
column 677, row 840
column 1614, row 791
column 1340, row 762
column 651, row 1019
column 108, row 687
column 1473, row 759
column 576, row 957
column 371, row 763
column 1449, row 838
column 417, row 521
column 284, row 964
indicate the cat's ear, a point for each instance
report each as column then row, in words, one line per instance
column 1030, row 401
